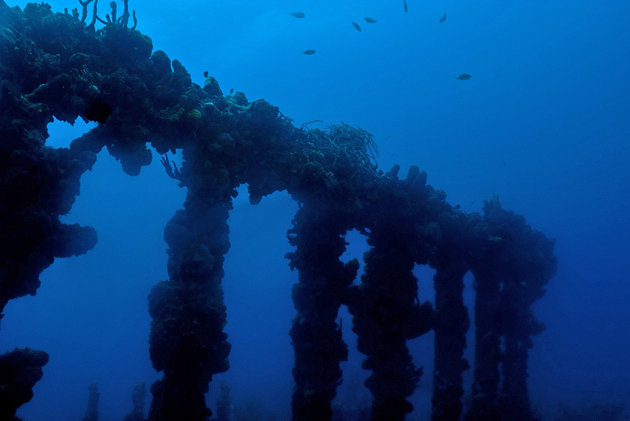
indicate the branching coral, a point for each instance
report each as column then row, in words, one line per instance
column 111, row 19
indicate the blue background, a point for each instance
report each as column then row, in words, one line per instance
column 544, row 122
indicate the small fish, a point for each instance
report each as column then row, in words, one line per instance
column 298, row 15
column 495, row 239
column 205, row 74
column 356, row 26
column 370, row 20
column 463, row 76
column 308, row 52
column 405, row 5
column 443, row 18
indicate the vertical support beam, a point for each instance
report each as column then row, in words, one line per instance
column 450, row 327
column 514, row 394
column 386, row 313
column 487, row 347
column 516, row 264
column 91, row 414
column 20, row 369
column 518, row 325
column 316, row 336
column 187, row 341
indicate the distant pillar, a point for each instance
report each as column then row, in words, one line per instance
column 450, row 327
column 187, row 341
column 316, row 336
column 137, row 398
column 91, row 414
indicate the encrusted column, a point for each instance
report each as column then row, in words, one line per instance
column 385, row 306
column 487, row 346
column 187, row 341
column 517, row 263
column 386, row 313
column 91, row 413
column 38, row 183
column 316, row 336
column 518, row 325
column 450, row 326
column 514, row 396
column 19, row 371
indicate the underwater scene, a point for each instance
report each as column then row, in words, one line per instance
column 305, row 210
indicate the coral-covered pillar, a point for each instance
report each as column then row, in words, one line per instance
column 19, row 371
column 315, row 334
column 510, row 277
column 514, row 396
column 487, row 346
column 386, row 313
column 187, row 340
column 91, row 413
column 518, row 325
column 450, row 327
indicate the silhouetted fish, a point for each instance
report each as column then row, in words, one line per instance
column 308, row 52
column 463, row 76
column 405, row 5
column 370, row 20
column 298, row 15
column 356, row 26
column 443, row 18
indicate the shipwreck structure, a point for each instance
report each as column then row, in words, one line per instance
column 60, row 65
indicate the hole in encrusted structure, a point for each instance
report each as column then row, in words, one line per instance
column 61, row 133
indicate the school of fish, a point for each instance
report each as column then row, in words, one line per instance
column 367, row 19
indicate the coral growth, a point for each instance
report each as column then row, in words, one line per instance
column 19, row 371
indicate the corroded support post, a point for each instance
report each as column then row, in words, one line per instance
column 450, row 326
column 187, row 340
column 316, row 336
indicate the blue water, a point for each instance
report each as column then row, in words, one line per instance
column 544, row 122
